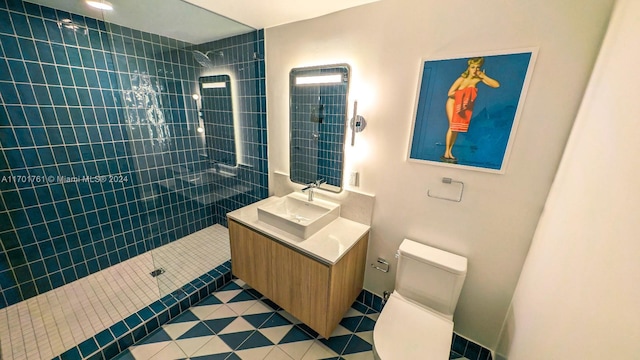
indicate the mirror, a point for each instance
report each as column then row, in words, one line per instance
column 216, row 115
column 318, row 119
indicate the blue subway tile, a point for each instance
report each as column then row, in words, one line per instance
column 10, row 96
column 8, row 139
column 59, row 55
column 27, row 49
column 10, row 46
column 5, row 73
column 26, row 95
column 20, row 24
column 82, row 39
column 5, row 22
column 55, row 36
column 57, row 96
column 71, row 354
column 472, row 351
column 118, row 329
column 65, row 76
column 45, row 53
column 88, row 347
column 42, row 95
column 38, row 29
column 459, row 344
column 146, row 313
column 126, row 341
column 51, row 74
column 133, row 321
column 18, row 70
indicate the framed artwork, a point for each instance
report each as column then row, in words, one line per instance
column 467, row 109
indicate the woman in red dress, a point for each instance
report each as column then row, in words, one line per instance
column 460, row 101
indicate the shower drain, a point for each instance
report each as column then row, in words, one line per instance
column 157, row 272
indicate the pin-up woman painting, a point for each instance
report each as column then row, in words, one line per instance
column 468, row 118
column 461, row 98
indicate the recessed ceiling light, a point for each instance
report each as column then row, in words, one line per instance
column 100, row 4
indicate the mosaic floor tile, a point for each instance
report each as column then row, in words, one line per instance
column 213, row 347
column 276, row 334
column 294, row 335
column 217, row 325
column 198, row 330
column 234, row 340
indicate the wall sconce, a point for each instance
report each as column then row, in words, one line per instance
column 200, row 127
column 357, row 123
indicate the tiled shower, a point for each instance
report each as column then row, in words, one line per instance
column 106, row 154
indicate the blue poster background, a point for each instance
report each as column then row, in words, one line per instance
column 485, row 143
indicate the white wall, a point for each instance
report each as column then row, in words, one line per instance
column 384, row 43
column 579, row 296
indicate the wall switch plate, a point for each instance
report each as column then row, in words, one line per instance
column 353, row 178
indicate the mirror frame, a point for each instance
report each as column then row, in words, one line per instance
column 317, row 116
column 216, row 108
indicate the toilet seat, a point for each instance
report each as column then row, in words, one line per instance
column 405, row 330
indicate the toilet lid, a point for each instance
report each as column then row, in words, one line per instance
column 408, row 331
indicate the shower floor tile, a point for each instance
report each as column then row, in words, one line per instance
column 47, row 325
column 239, row 323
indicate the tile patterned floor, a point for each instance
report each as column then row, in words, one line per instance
column 237, row 322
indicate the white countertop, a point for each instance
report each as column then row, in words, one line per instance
column 328, row 245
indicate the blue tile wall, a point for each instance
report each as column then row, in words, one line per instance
column 98, row 143
column 242, row 57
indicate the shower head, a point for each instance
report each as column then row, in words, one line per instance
column 202, row 59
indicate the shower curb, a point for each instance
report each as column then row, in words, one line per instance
column 117, row 338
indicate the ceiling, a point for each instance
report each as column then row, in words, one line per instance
column 200, row 21
column 265, row 14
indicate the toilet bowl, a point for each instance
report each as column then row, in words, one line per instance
column 416, row 322
column 406, row 330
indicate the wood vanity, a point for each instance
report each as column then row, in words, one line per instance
column 316, row 289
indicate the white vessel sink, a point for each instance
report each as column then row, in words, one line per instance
column 297, row 216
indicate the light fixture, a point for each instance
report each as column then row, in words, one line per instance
column 357, row 123
column 214, row 85
column 319, row 79
column 195, row 97
column 100, row 4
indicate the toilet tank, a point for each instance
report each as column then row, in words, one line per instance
column 430, row 276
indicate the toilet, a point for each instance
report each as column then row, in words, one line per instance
column 417, row 319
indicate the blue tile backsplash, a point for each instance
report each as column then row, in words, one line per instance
column 100, row 144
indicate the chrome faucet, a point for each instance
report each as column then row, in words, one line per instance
column 309, row 188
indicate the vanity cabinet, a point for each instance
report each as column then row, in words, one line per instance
column 317, row 293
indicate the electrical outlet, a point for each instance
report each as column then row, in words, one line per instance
column 353, row 178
